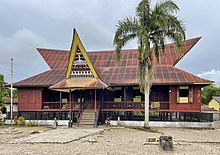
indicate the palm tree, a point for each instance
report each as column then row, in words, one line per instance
column 151, row 27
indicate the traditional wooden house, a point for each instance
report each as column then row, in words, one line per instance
column 89, row 87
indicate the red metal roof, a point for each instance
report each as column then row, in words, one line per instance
column 44, row 79
column 205, row 108
column 59, row 58
column 164, row 75
column 126, row 73
column 55, row 58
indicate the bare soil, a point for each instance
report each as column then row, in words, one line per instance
column 120, row 141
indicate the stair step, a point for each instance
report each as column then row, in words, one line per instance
column 90, row 116
column 87, row 119
column 88, row 113
column 89, row 110
column 86, row 126
column 86, row 123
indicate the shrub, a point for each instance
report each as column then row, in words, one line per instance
column 29, row 124
column 20, row 121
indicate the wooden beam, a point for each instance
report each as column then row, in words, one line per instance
column 95, row 101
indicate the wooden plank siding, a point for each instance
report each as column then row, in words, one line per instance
column 195, row 106
column 36, row 99
column 29, row 98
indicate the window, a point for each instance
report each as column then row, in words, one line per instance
column 185, row 94
column 118, row 94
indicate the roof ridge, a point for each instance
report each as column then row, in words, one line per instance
column 51, row 49
column 110, row 50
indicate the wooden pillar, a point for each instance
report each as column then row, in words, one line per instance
column 60, row 104
column 95, row 123
column 125, row 104
column 102, row 100
column 80, row 98
column 170, row 98
column 170, row 116
column 70, row 110
column 95, row 101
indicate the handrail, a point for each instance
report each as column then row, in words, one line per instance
column 80, row 114
column 97, row 114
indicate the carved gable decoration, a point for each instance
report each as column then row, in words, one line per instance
column 79, row 64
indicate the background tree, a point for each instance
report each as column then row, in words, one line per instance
column 152, row 27
column 5, row 91
column 208, row 92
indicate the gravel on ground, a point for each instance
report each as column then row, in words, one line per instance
column 119, row 141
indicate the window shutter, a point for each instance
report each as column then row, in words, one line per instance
column 191, row 94
column 178, row 96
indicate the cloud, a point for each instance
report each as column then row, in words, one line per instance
column 213, row 75
column 40, row 23
column 21, row 46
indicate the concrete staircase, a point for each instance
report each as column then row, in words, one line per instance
column 87, row 118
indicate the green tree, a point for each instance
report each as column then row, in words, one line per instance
column 3, row 92
column 208, row 92
column 151, row 27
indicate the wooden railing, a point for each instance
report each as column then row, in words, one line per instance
column 154, row 105
column 80, row 114
column 97, row 114
column 107, row 105
column 58, row 105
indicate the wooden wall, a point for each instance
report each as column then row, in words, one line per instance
column 186, row 107
column 29, row 99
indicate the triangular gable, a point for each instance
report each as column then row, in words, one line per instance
column 79, row 63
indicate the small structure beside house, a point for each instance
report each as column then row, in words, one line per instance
column 6, row 111
column 209, row 114
column 215, row 103
column 89, row 87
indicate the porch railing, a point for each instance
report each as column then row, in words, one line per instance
column 154, row 105
column 126, row 105
column 80, row 113
column 97, row 114
column 60, row 105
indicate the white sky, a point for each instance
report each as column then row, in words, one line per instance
column 28, row 24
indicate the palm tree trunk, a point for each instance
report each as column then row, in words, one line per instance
column 146, row 98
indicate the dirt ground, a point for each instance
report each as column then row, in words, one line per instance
column 119, row 141
column 25, row 131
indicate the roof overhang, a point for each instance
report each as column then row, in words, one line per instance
column 72, row 84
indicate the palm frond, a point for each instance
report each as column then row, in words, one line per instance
column 167, row 7
column 126, row 30
column 143, row 11
column 152, row 26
